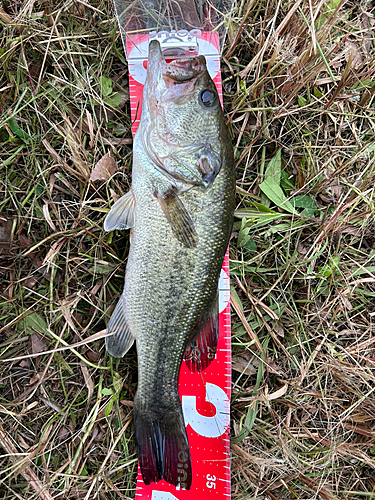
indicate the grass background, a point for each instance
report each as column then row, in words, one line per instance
column 298, row 92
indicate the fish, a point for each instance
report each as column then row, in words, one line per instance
column 180, row 212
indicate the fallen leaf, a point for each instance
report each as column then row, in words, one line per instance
column 127, row 403
column 100, row 434
column 5, row 17
column 34, row 379
column 67, row 306
column 36, row 344
column 346, row 302
column 48, row 217
column 327, row 199
column 31, row 282
column 277, row 394
column 52, row 253
column 354, row 231
column 301, row 249
column 278, row 328
column 274, row 368
column 92, row 356
column 333, row 187
column 5, row 233
column 88, row 380
column 63, row 434
column 114, row 195
column 22, row 442
column 351, row 47
column 104, row 169
column 25, row 242
column 241, row 365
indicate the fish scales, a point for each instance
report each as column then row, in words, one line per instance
column 180, row 209
column 175, row 284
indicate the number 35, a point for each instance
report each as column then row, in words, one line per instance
column 211, row 481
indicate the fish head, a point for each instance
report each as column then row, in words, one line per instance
column 185, row 122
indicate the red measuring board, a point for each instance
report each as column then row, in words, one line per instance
column 205, row 396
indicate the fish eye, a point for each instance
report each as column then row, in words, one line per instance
column 207, row 99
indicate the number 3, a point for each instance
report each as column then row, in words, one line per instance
column 212, row 427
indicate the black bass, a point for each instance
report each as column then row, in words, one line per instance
column 180, row 211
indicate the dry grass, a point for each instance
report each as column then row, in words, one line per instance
column 298, row 89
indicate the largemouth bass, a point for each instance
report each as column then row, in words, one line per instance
column 180, row 211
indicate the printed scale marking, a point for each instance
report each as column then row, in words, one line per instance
column 205, row 396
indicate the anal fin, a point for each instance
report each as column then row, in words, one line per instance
column 122, row 214
column 121, row 339
column 201, row 350
column 178, row 217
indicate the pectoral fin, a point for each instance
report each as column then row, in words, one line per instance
column 122, row 338
column 178, row 217
column 200, row 351
column 122, row 214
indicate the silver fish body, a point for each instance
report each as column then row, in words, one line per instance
column 180, row 211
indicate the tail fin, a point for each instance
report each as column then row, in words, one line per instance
column 162, row 445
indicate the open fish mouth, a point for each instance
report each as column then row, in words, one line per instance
column 177, row 70
column 181, row 70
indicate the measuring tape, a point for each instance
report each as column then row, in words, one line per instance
column 205, row 396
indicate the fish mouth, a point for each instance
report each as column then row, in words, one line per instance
column 182, row 70
column 176, row 71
